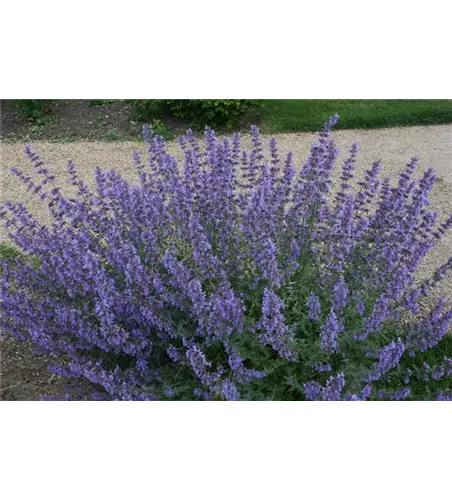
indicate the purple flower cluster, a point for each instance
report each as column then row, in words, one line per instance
column 314, row 306
column 330, row 392
column 388, row 357
column 340, row 294
column 274, row 331
column 443, row 397
column 437, row 372
column 319, row 367
column 429, row 331
column 330, row 332
column 396, row 395
column 235, row 274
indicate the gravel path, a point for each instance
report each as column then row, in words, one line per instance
column 433, row 145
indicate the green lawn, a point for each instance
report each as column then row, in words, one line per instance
column 299, row 115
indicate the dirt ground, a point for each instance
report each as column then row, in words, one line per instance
column 24, row 376
column 67, row 121
column 27, row 379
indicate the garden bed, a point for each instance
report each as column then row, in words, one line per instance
column 71, row 120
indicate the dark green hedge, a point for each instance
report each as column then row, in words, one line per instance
column 197, row 112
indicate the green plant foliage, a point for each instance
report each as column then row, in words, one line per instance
column 197, row 112
column 146, row 110
column 32, row 109
column 8, row 252
column 112, row 136
column 214, row 112
column 159, row 128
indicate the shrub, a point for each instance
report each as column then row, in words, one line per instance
column 32, row 109
column 197, row 112
column 232, row 276
column 146, row 110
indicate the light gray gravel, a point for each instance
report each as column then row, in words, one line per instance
column 394, row 146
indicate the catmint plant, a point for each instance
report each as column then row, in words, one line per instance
column 236, row 274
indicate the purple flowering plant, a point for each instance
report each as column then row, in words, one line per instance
column 235, row 275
